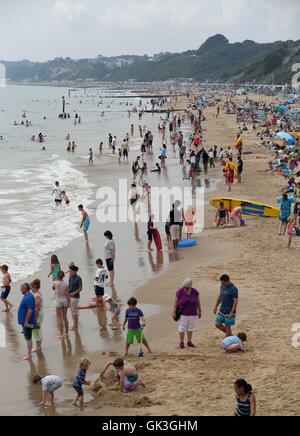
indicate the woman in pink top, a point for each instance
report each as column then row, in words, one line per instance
column 62, row 303
column 236, row 214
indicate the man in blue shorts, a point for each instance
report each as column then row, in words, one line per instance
column 228, row 299
column 26, row 317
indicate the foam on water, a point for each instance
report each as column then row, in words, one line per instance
column 34, row 227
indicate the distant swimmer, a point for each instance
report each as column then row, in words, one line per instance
column 68, row 137
column 57, row 194
column 114, row 144
column 1, row 138
column 41, row 138
column 69, row 147
column 91, row 157
column 33, row 138
column 85, row 222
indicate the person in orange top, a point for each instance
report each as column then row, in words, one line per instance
column 230, row 171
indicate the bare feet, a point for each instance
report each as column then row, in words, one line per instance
column 26, row 358
column 75, row 404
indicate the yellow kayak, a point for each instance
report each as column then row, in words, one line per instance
column 250, row 207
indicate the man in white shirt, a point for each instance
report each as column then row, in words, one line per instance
column 57, row 193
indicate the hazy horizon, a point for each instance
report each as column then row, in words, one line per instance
column 87, row 28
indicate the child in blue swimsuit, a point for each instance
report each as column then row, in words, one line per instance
column 80, row 379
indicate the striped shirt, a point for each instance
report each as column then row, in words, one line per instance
column 243, row 407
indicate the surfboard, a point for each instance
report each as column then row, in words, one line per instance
column 157, row 240
column 251, row 208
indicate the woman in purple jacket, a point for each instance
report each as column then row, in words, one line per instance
column 188, row 307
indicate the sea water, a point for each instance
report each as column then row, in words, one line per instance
column 31, row 225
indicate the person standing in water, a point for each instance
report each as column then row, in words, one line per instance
column 26, row 317
column 91, row 157
column 37, row 334
column 54, row 267
column 6, row 288
column 110, row 255
column 62, row 303
column 85, row 222
column 57, row 191
column 75, row 288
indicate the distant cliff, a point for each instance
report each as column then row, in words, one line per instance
column 216, row 60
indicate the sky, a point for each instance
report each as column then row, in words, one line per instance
column 44, row 29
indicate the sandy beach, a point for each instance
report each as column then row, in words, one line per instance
column 201, row 381
column 183, row 382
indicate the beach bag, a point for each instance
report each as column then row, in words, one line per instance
column 297, row 232
column 178, row 314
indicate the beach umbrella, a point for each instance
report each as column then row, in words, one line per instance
column 285, row 136
column 291, row 141
column 296, row 134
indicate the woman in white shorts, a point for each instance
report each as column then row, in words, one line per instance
column 187, row 308
column 62, row 303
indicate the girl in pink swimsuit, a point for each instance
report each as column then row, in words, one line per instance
column 235, row 214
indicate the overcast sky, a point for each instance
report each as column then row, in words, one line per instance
column 45, row 29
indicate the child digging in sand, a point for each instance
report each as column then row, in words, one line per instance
column 80, row 380
column 49, row 385
column 234, row 344
column 127, row 375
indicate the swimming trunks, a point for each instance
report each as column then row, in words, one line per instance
column 99, row 291
column 86, row 224
column 5, row 293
